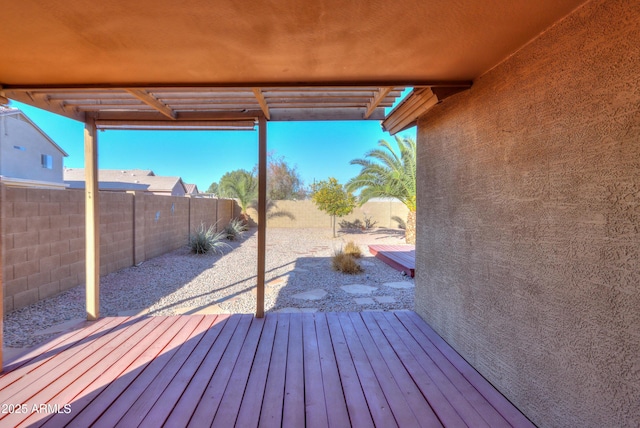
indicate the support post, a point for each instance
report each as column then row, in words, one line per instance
column 92, row 220
column 262, row 213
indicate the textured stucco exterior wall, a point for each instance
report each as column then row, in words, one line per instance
column 529, row 221
column 26, row 162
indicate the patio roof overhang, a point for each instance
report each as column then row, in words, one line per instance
column 160, row 63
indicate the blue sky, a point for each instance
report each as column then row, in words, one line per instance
column 318, row 149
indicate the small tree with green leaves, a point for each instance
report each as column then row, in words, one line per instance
column 331, row 197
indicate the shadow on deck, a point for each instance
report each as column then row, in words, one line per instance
column 334, row 369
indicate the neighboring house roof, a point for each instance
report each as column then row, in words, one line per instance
column 108, row 185
column 9, row 111
column 192, row 189
column 131, row 179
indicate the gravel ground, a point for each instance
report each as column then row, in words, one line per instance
column 298, row 260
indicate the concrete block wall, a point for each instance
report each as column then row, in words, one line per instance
column 166, row 224
column 202, row 211
column 528, row 221
column 43, row 236
column 304, row 214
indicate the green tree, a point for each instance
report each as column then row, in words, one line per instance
column 283, row 180
column 331, row 197
column 241, row 185
column 213, row 188
column 392, row 174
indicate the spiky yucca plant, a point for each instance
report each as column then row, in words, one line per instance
column 206, row 239
column 235, row 229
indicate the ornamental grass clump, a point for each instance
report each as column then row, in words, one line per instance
column 345, row 263
column 353, row 250
column 206, row 240
column 235, row 229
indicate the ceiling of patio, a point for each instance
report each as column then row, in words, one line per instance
column 298, row 60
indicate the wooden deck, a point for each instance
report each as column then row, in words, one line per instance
column 360, row 369
column 400, row 257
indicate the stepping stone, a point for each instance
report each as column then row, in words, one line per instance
column 316, row 294
column 358, row 288
column 62, row 327
column 278, row 282
column 401, row 284
column 364, row 301
column 298, row 270
column 385, row 299
column 296, row 310
column 367, row 263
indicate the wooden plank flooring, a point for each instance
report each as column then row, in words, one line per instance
column 336, row 369
column 400, row 257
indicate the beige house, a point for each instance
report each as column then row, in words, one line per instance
column 124, row 180
column 191, row 189
column 28, row 156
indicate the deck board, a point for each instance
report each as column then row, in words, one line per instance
column 400, row 257
column 334, row 369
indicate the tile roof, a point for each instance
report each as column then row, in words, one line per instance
column 145, row 177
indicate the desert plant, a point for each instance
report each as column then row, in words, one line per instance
column 207, row 239
column 235, row 229
column 353, row 250
column 369, row 223
column 346, row 224
column 401, row 223
column 345, row 263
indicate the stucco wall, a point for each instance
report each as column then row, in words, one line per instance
column 25, row 163
column 529, row 221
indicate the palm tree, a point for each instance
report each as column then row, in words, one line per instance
column 243, row 186
column 390, row 174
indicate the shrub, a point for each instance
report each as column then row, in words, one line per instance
column 353, row 250
column 400, row 221
column 235, row 229
column 345, row 263
column 356, row 224
column 369, row 223
column 207, row 239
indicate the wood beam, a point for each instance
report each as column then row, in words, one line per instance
column 92, row 220
column 265, row 85
column 376, row 100
column 409, row 110
column 152, row 101
column 263, row 103
column 193, row 115
column 262, row 213
column 178, row 125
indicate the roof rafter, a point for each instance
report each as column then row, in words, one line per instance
column 152, row 101
column 376, row 100
column 263, row 103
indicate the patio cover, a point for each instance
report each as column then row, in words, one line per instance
column 228, row 65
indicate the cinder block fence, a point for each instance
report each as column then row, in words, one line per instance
column 43, row 244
